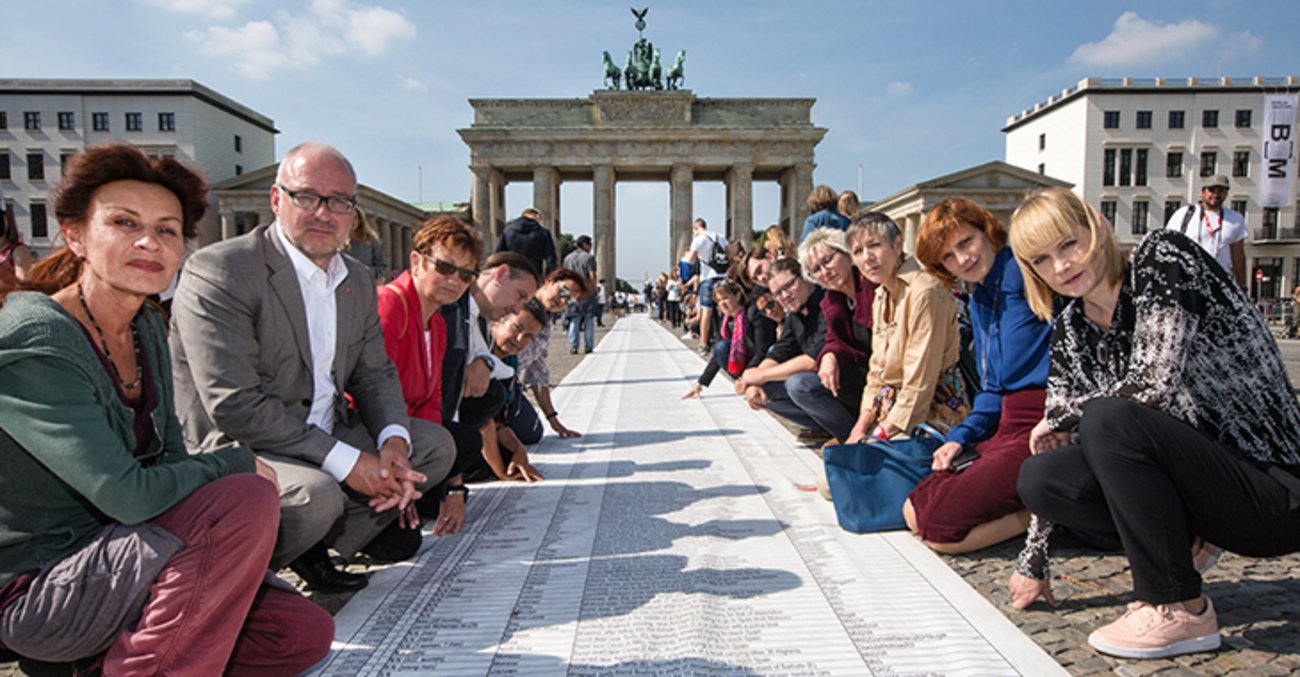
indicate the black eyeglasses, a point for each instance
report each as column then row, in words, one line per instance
column 819, row 266
column 467, row 275
column 310, row 201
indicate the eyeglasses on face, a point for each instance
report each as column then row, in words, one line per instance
column 309, row 201
column 785, row 289
column 442, row 267
column 819, row 266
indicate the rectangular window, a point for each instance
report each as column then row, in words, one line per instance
column 1174, row 164
column 1176, row 119
column 5, row 174
column 67, row 121
column 1243, row 118
column 1141, row 210
column 1108, row 168
column 1042, row 168
column 1209, row 162
column 4, row 120
column 1140, row 168
column 1108, row 211
column 1171, row 206
column 63, row 161
column 1239, row 206
column 166, row 122
column 1042, row 142
column 35, row 167
column 1270, row 219
column 99, row 121
column 239, row 169
column 40, row 227
column 32, row 121
column 1241, row 163
column 134, row 122
column 1125, row 166
column 1110, row 119
column 239, row 144
column 1209, row 118
column 1144, row 119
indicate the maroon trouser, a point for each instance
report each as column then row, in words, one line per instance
column 210, row 610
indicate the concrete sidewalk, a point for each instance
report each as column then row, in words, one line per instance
column 674, row 537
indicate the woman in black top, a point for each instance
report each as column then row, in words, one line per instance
column 747, row 334
column 1169, row 416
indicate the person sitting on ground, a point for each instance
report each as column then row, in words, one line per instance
column 913, row 376
column 444, row 262
column 504, row 456
column 770, row 308
column 753, row 270
column 785, row 382
column 846, row 305
column 365, row 246
column 103, row 513
column 777, row 244
column 1169, row 417
column 556, row 291
column 691, row 317
column 746, row 336
column 822, row 213
column 956, row 510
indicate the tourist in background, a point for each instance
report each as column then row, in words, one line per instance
column 364, row 245
column 527, row 236
column 673, row 298
column 1169, row 418
column 848, row 204
column 822, row 212
column 703, row 248
column 580, row 318
column 1219, row 229
column 777, row 243
column 958, row 510
column 15, row 257
column 104, row 515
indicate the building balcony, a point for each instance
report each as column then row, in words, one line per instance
column 1275, row 235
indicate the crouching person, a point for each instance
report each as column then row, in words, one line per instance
column 119, row 550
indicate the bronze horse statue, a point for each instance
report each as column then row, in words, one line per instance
column 677, row 73
column 612, row 73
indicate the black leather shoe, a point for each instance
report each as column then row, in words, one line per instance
column 315, row 569
column 393, row 544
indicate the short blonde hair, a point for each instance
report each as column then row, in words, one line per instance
column 1041, row 220
column 830, row 238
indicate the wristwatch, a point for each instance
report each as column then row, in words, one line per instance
column 459, row 489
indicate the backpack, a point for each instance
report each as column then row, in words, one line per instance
column 718, row 259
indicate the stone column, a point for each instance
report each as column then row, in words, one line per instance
column 404, row 237
column 603, row 224
column 910, row 226
column 497, row 206
column 480, row 203
column 546, row 200
column 740, row 204
column 392, row 234
column 801, row 188
column 681, row 192
column 228, row 225
column 787, row 212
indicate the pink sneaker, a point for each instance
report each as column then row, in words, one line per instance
column 1147, row 631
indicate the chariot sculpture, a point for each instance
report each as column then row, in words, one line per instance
column 643, row 68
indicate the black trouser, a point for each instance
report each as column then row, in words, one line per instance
column 675, row 312
column 1155, row 481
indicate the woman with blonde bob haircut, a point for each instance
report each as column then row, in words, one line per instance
column 1170, row 422
column 973, row 505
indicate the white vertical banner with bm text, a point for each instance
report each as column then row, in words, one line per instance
column 1279, row 150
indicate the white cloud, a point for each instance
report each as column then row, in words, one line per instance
column 898, row 88
column 300, row 40
column 217, row 9
column 1135, row 42
column 1244, row 42
column 411, row 83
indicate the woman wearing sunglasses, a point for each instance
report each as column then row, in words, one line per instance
column 445, row 253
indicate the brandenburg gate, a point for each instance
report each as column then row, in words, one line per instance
column 615, row 135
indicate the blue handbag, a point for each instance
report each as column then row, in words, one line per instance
column 870, row 480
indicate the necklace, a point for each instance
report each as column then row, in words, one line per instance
column 103, row 343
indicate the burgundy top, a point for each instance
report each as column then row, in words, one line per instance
column 848, row 333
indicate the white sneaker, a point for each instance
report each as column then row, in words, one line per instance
column 687, row 336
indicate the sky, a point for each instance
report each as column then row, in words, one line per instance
column 908, row 90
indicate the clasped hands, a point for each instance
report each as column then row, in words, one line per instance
column 388, row 479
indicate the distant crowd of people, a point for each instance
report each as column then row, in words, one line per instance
column 156, row 471
column 1136, row 402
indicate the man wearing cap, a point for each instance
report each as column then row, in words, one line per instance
column 1219, row 229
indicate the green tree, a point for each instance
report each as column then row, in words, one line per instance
column 567, row 245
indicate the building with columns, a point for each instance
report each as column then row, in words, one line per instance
column 45, row 121
column 613, row 136
column 996, row 186
column 1138, row 149
column 243, row 202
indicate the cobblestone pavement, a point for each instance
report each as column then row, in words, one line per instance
column 1258, row 600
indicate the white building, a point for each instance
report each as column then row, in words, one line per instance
column 42, row 122
column 1138, row 148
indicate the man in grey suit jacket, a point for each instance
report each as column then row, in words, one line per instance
column 270, row 329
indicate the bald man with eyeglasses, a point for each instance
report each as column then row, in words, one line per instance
column 271, row 330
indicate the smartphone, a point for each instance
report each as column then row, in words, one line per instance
column 964, row 458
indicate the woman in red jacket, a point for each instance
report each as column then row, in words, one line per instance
column 445, row 255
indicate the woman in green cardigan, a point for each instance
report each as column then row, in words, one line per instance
column 118, row 548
